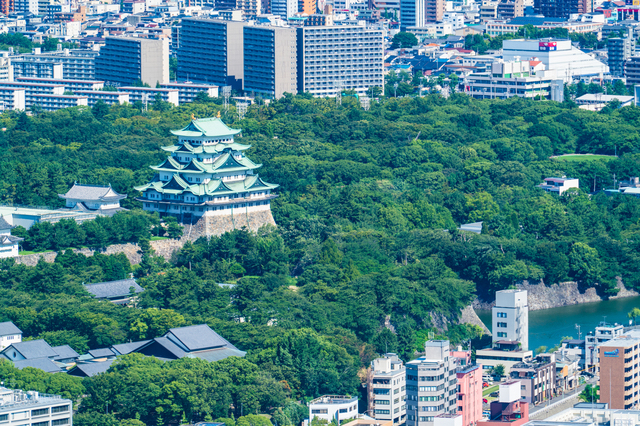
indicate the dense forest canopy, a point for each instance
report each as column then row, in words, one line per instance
column 368, row 214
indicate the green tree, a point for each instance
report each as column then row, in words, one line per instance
column 498, row 370
column 634, row 313
column 589, row 394
column 404, row 40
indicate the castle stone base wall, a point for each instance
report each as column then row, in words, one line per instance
column 208, row 226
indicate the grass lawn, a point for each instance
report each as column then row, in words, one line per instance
column 490, row 389
column 25, row 253
column 584, row 157
column 158, row 238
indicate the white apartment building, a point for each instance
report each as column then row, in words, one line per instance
column 603, row 333
column 9, row 333
column 510, row 318
column 148, row 95
column 56, row 102
column 439, row 29
column 333, row 57
column 70, row 85
column 34, row 408
column 284, row 8
column 431, row 384
column 412, row 14
column 6, row 70
column 77, row 64
column 511, row 78
column 555, row 54
column 109, row 98
column 12, row 98
column 330, row 407
column 187, row 92
column 387, row 389
column 454, row 18
column 559, row 185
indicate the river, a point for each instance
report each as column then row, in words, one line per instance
column 548, row 326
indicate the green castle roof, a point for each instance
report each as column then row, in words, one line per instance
column 210, row 127
column 224, row 163
column 177, row 185
column 207, row 149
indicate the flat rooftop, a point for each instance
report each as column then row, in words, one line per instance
column 334, row 399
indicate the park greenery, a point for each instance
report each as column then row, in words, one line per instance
column 367, row 257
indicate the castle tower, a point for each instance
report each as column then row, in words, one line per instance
column 207, row 183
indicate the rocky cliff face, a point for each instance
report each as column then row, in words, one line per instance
column 542, row 296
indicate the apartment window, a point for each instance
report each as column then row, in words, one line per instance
column 343, row 410
column 322, row 411
column 502, row 325
column 501, row 314
column 426, row 419
column 381, row 391
column 502, row 334
column 382, row 411
column 40, row 424
column 4, row 417
column 382, row 402
column 40, row 412
column 60, row 409
column 60, row 422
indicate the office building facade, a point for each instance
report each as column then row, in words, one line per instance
column 412, row 14
column 211, row 51
column 561, row 8
column 284, row 8
column 431, row 384
column 617, row 368
column 469, row 393
column 510, row 317
column 386, row 387
column 346, row 57
column 270, row 65
column 434, row 10
column 618, row 51
column 125, row 60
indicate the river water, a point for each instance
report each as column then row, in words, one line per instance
column 548, row 326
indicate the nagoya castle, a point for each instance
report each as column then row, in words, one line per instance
column 208, row 183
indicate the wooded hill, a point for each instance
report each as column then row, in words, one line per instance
column 369, row 206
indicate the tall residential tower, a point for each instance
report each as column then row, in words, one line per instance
column 510, row 318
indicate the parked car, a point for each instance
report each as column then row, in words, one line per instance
column 494, row 394
column 485, row 400
column 485, row 385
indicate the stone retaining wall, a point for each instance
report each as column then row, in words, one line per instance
column 164, row 248
column 564, row 294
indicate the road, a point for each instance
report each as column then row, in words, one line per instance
column 558, row 404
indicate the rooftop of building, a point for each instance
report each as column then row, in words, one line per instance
column 28, row 400
column 112, row 289
column 209, row 127
column 467, row 368
column 7, row 328
column 334, row 399
column 92, row 193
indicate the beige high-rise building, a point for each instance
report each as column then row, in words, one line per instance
column 212, row 51
column 270, row 65
column 125, row 60
column 434, row 10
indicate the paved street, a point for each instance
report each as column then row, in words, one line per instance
column 558, row 404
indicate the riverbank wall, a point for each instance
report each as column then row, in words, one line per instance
column 542, row 296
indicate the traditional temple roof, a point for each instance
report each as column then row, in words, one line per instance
column 4, row 225
column 9, row 240
column 225, row 163
column 92, row 193
column 178, row 185
column 210, row 127
column 207, row 149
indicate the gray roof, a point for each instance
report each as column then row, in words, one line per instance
column 32, row 349
column 65, row 352
column 9, row 240
column 8, row 327
column 45, row 364
column 101, row 352
column 199, row 337
column 217, row 354
column 92, row 192
column 170, row 346
column 4, row 224
column 111, row 289
column 90, row 369
column 127, row 348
